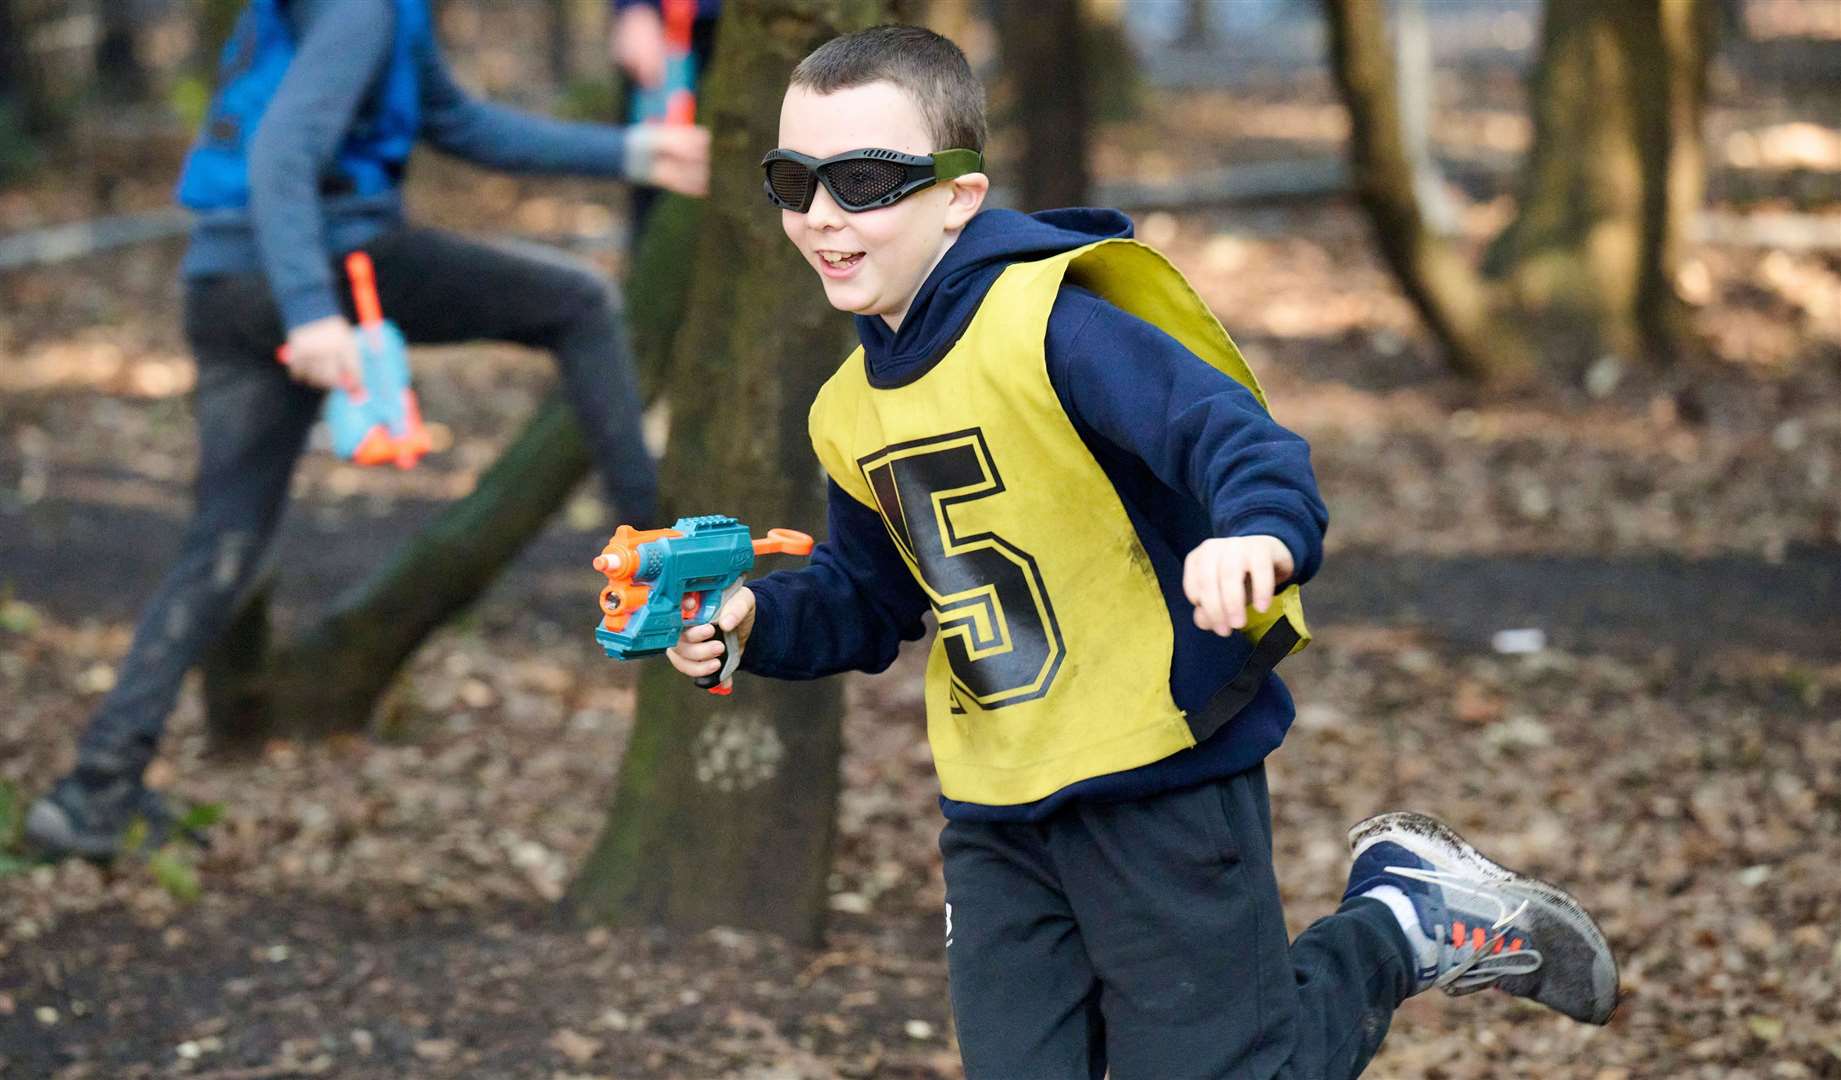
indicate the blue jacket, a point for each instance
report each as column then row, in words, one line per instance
column 291, row 228
column 255, row 59
column 1160, row 426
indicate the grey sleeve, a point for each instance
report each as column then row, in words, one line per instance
column 343, row 45
column 503, row 138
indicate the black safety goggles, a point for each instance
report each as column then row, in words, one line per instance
column 860, row 179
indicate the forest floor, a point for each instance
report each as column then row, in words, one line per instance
column 389, row 907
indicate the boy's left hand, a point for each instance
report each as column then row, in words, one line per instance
column 1220, row 574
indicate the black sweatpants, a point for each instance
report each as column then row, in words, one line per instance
column 1146, row 937
column 253, row 421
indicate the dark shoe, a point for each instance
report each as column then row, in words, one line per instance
column 1482, row 925
column 95, row 816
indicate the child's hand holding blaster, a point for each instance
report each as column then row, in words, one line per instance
column 699, row 651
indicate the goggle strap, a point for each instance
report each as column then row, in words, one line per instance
column 951, row 164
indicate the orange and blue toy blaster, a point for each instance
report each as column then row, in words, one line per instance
column 673, row 100
column 377, row 421
column 660, row 582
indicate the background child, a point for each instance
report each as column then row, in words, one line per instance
column 301, row 161
column 1043, row 441
column 637, row 43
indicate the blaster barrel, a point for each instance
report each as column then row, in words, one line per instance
column 363, row 276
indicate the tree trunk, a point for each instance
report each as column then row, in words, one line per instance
column 1456, row 303
column 725, row 808
column 659, row 288
column 13, row 90
column 1677, row 168
column 1614, row 175
column 332, row 676
column 12, row 53
column 214, row 20
column 27, row 100
column 121, row 75
column 1609, row 193
column 1041, row 44
column 1413, row 53
column 560, row 44
column 1198, row 29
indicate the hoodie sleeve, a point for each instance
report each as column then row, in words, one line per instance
column 343, row 45
column 1196, row 429
column 499, row 137
column 849, row 609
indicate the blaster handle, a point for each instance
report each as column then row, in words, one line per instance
column 364, row 288
column 723, row 682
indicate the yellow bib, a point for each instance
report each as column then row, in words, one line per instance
column 1052, row 662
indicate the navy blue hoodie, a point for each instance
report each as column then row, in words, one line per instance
column 1191, row 453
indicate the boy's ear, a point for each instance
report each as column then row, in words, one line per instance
column 968, row 194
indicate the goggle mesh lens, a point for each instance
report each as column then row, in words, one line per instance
column 791, row 182
column 861, row 182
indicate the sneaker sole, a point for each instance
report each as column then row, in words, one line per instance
column 48, row 831
column 1436, row 842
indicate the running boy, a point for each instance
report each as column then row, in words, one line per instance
column 301, row 161
column 1048, row 440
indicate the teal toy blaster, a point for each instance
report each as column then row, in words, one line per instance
column 378, row 421
column 674, row 100
column 663, row 581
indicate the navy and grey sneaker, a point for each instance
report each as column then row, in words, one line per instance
column 1480, row 924
column 92, row 816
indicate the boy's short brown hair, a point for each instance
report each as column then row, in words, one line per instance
column 929, row 67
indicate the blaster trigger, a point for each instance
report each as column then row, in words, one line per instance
column 723, row 682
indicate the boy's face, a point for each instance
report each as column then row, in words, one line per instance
column 872, row 262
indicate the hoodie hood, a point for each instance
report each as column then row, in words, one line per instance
column 950, row 296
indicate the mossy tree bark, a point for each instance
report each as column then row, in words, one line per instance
column 29, row 103
column 1454, row 300
column 725, row 808
column 331, row 677
column 212, row 21
column 1608, row 193
column 1042, row 44
column 1615, row 173
column 120, row 73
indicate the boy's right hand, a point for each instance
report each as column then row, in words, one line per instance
column 699, row 649
column 324, row 353
column 638, row 44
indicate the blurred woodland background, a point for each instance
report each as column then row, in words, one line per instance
column 1553, row 288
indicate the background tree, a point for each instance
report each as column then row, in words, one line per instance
column 1045, row 61
column 725, row 808
column 1608, row 191
column 1616, row 173
column 333, row 674
column 212, row 21
column 27, row 104
column 14, row 149
column 122, row 76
